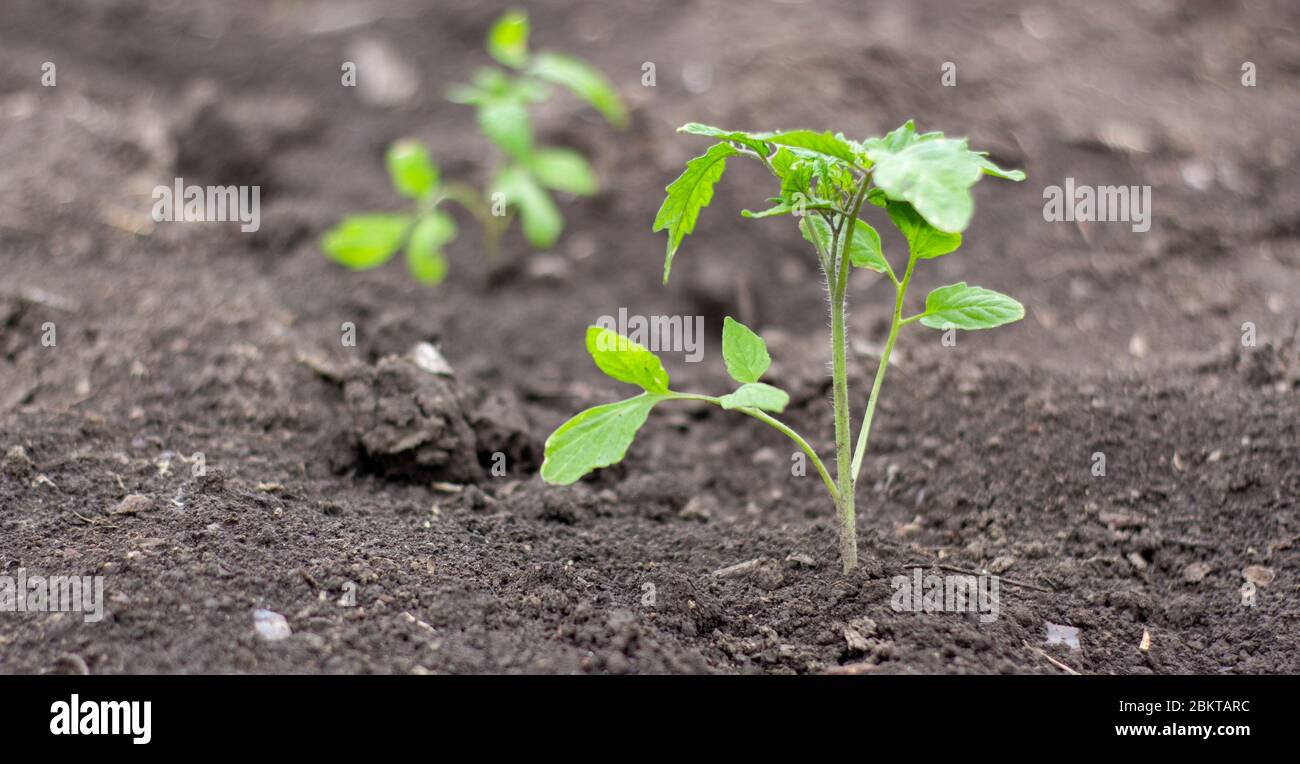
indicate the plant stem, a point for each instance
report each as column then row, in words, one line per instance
column 778, row 425
column 493, row 226
column 843, row 469
column 899, row 291
column 807, row 449
column 840, row 388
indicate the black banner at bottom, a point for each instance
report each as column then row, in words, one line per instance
column 259, row 715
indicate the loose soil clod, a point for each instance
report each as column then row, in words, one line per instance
column 411, row 423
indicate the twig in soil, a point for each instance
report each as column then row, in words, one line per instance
column 1004, row 579
column 114, row 218
column 92, row 520
column 406, row 616
column 311, row 580
column 1052, row 660
column 321, row 366
column 73, row 664
column 739, row 569
column 37, row 296
column 853, row 669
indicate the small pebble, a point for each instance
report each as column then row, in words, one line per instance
column 1259, row 575
column 270, row 625
column 800, row 559
column 1062, row 635
column 1196, row 572
column 699, row 508
column 133, row 504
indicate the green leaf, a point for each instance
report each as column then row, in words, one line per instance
column 435, row 229
column 783, row 161
column 539, row 217
column 991, row 169
column 597, row 437
column 491, row 83
column 897, row 139
column 967, row 307
column 504, row 120
column 758, row 395
column 424, row 257
column 428, row 269
column 563, row 170
column 584, row 81
column 528, row 90
column 782, row 208
column 690, row 193
column 864, row 251
column 625, row 360
column 365, row 241
column 828, row 144
column 835, row 175
column 934, row 175
column 755, row 141
column 796, row 180
column 412, row 172
column 507, row 40
column 744, row 352
column 931, row 172
column 924, row 241
column 468, row 94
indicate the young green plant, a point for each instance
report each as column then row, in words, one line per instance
column 370, row 239
column 527, row 172
column 523, row 180
column 921, row 181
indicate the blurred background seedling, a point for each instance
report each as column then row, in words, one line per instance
column 524, row 174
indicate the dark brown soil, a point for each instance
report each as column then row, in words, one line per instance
column 181, row 338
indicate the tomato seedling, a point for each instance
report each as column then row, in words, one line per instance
column 922, row 182
column 527, row 173
column 370, row 239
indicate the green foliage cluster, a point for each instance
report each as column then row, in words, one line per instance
column 526, row 175
column 922, row 183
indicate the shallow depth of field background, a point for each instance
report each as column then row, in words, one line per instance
column 183, row 338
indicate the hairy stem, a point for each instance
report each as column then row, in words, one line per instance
column 843, row 470
column 840, row 389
